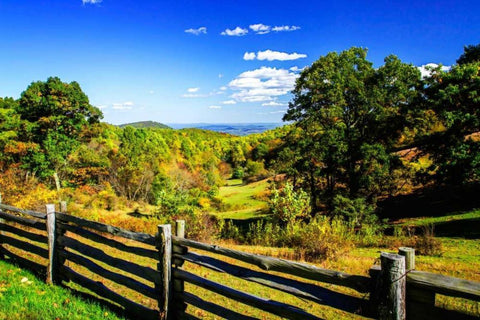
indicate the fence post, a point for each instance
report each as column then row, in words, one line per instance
column 178, row 285
column 409, row 254
column 63, row 206
column 51, row 268
column 392, row 289
column 59, row 232
column 164, row 267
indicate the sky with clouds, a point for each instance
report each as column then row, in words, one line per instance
column 213, row 61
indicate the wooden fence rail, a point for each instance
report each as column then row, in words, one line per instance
column 395, row 289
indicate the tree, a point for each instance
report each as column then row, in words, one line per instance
column 54, row 114
column 470, row 54
column 350, row 116
column 454, row 97
column 9, row 124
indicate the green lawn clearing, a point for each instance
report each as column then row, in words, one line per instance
column 243, row 201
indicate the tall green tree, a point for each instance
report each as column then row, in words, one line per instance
column 351, row 114
column 454, row 97
column 54, row 114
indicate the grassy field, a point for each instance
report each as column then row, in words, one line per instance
column 23, row 296
column 244, row 201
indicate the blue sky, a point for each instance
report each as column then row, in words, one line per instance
column 212, row 61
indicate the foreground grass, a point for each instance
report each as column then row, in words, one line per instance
column 23, row 296
column 244, row 200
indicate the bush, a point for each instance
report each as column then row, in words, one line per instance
column 427, row 244
column 238, row 173
column 229, row 231
column 357, row 211
column 321, row 238
column 288, row 205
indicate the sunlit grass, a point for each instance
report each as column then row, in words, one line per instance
column 23, row 296
column 243, row 199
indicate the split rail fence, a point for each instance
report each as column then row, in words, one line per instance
column 65, row 248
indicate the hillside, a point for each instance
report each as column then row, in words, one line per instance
column 145, row 124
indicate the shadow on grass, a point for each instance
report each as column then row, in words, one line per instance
column 118, row 311
column 467, row 228
column 437, row 202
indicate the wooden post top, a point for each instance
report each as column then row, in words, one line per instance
column 50, row 208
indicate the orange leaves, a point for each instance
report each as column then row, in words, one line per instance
column 20, row 148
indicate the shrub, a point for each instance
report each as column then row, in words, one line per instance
column 356, row 211
column 321, row 238
column 238, row 173
column 227, row 230
column 427, row 244
column 288, row 205
column 200, row 227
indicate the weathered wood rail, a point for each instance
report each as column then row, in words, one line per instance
column 69, row 246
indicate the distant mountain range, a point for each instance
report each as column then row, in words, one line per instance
column 238, row 129
column 145, row 124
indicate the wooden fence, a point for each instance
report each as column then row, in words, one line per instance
column 394, row 289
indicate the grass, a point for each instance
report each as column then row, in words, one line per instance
column 243, row 200
column 23, row 296
column 422, row 221
column 461, row 258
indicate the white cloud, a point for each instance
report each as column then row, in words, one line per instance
column 277, row 55
column 426, row 69
column 229, row 102
column 279, row 111
column 196, row 31
column 223, row 88
column 235, row 32
column 274, row 55
column 285, row 28
column 215, row 107
column 274, row 104
column 151, row 92
column 260, row 28
column 194, row 95
column 220, row 76
column 91, row 1
column 128, row 105
column 262, row 84
column 249, row 56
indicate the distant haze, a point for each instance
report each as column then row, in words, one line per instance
column 239, row 129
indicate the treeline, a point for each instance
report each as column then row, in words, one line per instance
column 52, row 135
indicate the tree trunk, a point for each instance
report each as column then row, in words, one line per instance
column 57, row 183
